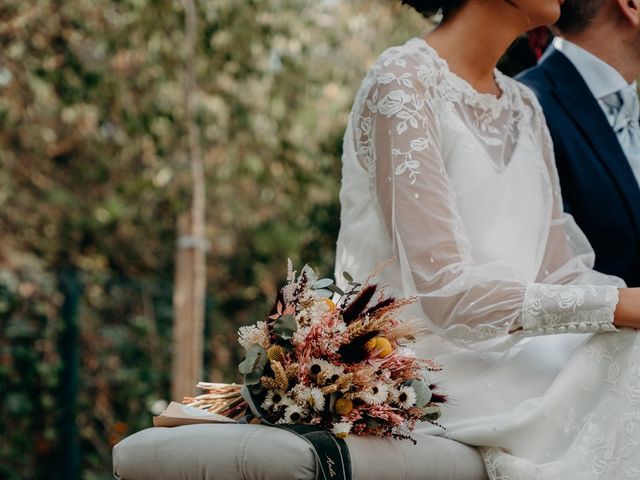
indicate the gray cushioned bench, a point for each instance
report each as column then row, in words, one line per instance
column 257, row 452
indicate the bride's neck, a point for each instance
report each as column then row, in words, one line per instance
column 472, row 43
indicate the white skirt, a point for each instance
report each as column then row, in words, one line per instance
column 552, row 408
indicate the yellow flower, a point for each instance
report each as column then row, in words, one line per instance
column 276, row 352
column 343, row 406
column 381, row 344
column 384, row 346
column 330, row 304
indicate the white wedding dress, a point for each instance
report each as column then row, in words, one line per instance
column 460, row 191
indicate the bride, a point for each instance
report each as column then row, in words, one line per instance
column 448, row 169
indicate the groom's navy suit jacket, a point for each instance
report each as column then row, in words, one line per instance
column 597, row 183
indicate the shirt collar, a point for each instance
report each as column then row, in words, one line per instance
column 601, row 78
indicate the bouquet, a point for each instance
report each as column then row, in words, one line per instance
column 341, row 366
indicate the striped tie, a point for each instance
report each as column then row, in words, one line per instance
column 623, row 112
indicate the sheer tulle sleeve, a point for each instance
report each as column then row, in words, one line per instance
column 464, row 299
column 567, row 270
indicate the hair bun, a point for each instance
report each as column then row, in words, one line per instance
column 430, row 7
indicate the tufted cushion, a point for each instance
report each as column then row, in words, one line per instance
column 256, row 452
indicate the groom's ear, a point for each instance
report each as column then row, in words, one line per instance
column 630, row 9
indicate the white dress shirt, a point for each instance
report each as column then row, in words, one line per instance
column 601, row 78
column 605, row 83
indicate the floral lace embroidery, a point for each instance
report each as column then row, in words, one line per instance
column 550, row 309
column 502, row 466
column 607, row 434
column 605, row 431
column 414, row 88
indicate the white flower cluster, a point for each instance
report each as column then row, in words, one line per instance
column 405, row 397
column 329, row 371
column 308, row 397
column 314, row 310
column 254, row 334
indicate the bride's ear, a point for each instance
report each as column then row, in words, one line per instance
column 630, row 9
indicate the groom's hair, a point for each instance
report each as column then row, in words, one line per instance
column 577, row 15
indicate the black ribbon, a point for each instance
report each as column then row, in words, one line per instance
column 333, row 461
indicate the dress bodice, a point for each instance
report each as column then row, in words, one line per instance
column 459, row 188
column 505, row 211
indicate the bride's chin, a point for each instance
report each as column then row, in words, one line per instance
column 547, row 21
column 554, row 13
column 540, row 13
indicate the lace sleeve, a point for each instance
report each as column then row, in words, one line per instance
column 566, row 280
column 400, row 141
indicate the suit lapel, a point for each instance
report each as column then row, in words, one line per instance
column 574, row 96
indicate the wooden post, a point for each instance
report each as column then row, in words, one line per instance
column 190, row 277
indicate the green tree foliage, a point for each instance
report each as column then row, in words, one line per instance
column 93, row 173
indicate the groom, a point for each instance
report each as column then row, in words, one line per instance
column 586, row 85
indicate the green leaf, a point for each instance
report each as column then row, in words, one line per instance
column 285, row 327
column 253, row 378
column 311, row 275
column 322, row 283
column 431, row 413
column 347, row 276
column 325, row 293
column 423, row 393
column 336, row 289
column 256, row 359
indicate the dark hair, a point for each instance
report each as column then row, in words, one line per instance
column 577, row 14
column 431, row 7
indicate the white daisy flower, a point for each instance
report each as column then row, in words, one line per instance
column 275, row 399
column 311, row 397
column 317, row 365
column 334, row 373
column 294, row 413
column 317, row 399
column 341, row 429
column 377, row 395
column 254, row 334
column 406, row 397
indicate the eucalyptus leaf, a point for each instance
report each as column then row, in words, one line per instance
column 255, row 359
column 311, row 275
column 325, row 293
column 285, row 327
column 322, row 283
column 253, row 378
column 255, row 389
column 336, row 289
column 423, row 393
column 347, row 276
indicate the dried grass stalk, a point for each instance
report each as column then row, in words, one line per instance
column 220, row 398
